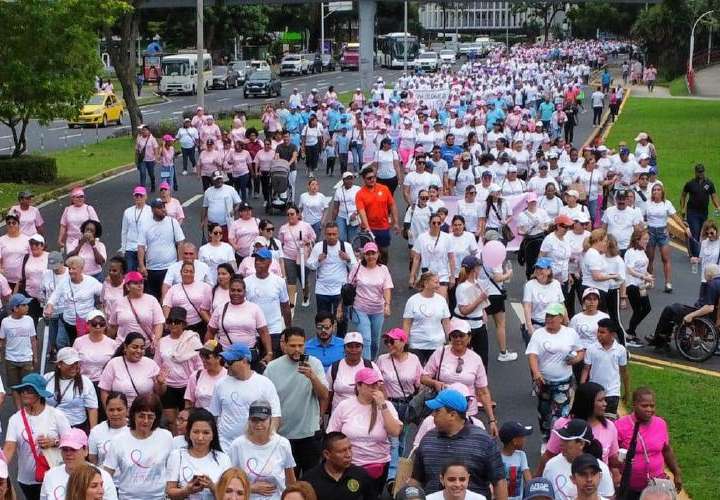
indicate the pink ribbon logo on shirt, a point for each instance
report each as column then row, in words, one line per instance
column 235, row 398
column 136, row 457
column 59, row 493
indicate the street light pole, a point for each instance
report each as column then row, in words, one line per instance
column 405, row 40
column 322, row 31
column 692, row 39
column 200, row 60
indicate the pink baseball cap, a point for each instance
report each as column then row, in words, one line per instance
column 133, row 277
column 75, row 439
column 140, row 190
column 370, row 247
column 78, row 191
column 461, row 388
column 531, row 196
column 459, row 325
column 168, row 138
column 367, row 376
column 164, row 185
column 397, row 334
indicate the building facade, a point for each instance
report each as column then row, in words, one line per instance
column 479, row 15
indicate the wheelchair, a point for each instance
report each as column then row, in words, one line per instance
column 697, row 341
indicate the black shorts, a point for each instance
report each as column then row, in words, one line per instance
column 497, row 305
column 382, row 237
column 174, row 398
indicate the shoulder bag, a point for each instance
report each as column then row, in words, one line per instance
column 21, row 285
column 41, row 463
column 127, row 369
column 417, row 410
column 503, row 292
column 349, row 290
column 505, row 230
column 150, row 349
column 81, row 324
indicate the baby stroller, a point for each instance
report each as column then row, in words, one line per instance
column 279, row 186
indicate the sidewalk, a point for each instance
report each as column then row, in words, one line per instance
column 664, row 93
column 707, row 82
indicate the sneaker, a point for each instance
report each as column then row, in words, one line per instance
column 185, row 172
column 668, row 287
column 633, row 342
column 306, row 302
column 507, row 356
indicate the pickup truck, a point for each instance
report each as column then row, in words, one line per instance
column 428, row 61
column 294, row 64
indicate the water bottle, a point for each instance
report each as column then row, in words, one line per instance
column 694, row 265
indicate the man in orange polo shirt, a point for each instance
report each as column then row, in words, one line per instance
column 375, row 204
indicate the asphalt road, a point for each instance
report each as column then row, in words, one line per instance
column 57, row 135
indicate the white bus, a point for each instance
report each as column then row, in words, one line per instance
column 390, row 50
column 179, row 73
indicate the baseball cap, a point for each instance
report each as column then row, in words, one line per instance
column 556, row 309
column 470, row 262
column 168, row 138
column 410, row 492
column 236, row 352
column 699, row 167
column 212, row 346
column 38, row 238
column 263, row 254
column 260, row 240
column 367, row 376
column 641, row 136
column 74, row 438
column 582, row 218
column 538, row 488
column 563, row 220
column 590, row 291
column 95, row 313
column 55, row 259
column 68, row 355
column 217, row 175
column 531, row 196
column 450, row 399
column 243, row 205
column 572, row 192
column 177, row 313
column 157, row 203
column 512, row 168
column 624, row 151
column 584, row 462
column 494, row 188
column 370, row 247
column 543, row 263
column 458, row 325
column 552, row 155
column 465, row 156
column 643, row 156
column 164, row 185
column 396, row 334
column 353, row 337
column 575, row 429
column 18, row 299
column 487, row 173
column 133, row 277
column 139, row 190
column 260, row 409
column 348, row 174
column 25, row 194
column 511, row 430
column 78, row 191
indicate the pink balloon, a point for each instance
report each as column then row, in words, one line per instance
column 493, row 254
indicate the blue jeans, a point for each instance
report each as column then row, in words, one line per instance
column 347, row 232
column 188, row 154
column 592, row 207
column 370, row 327
column 695, row 221
column 58, row 335
column 147, row 169
column 317, row 227
column 398, row 446
column 327, row 303
column 357, row 154
column 131, row 259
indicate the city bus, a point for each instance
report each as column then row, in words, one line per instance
column 390, row 50
column 179, row 73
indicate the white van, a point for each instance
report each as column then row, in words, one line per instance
column 179, row 73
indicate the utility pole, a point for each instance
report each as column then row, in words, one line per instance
column 200, row 53
column 692, row 39
column 405, row 40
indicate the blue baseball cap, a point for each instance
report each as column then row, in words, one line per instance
column 36, row 382
column 18, row 299
column 450, row 399
column 539, row 488
column 236, row 352
column 263, row 253
column 543, row 263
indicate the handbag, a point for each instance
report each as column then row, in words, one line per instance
column 406, row 398
column 81, row 324
column 417, row 409
column 348, row 291
column 41, row 463
column 503, row 292
column 624, row 488
column 505, row 230
column 403, row 472
column 150, row 349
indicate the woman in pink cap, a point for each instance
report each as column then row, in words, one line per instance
column 369, row 421
column 72, row 218
column 14, row 247
column 137, row 312
column 173, row 207
column 167, row 161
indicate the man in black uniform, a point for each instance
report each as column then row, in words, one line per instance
column 696, row 195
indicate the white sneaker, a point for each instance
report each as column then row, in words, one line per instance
column 507, row 356
column 306, row 302
column 185, row 172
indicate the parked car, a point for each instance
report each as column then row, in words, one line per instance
column 328, row 63
column 262, row 83
column 294, row 64
column 242, row 68
column 428, row 61
column 224, row 77
column 101, row 109
column 448, row 56
column 259, row 65
column 350, row 58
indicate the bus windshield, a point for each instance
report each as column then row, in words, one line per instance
column 397, row 49
column 175, row 68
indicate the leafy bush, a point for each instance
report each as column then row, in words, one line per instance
column 28, row 168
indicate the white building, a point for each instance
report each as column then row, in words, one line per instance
column 472, row 16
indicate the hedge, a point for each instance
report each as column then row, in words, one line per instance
column 28, row 168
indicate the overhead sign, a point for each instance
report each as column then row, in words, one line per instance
column 339, row 6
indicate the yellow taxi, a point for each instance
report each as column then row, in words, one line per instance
column 101, row 109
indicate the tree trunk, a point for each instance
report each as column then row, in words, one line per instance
column 122, row 57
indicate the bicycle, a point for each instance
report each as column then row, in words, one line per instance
column 697, row 341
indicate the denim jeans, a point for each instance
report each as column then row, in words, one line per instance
column 370, row 327
column 58, row 335
column 188, row 154
column 695, row 220
column 241, row 183
column 592, row 208
column 147, row 169
column 347, row 232
column 398, row 446
column 357, row 154
column 327, row 303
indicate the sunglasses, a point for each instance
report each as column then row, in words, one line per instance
column 269, row 229
column 12, row 222
column 97, row 324
column 175, row 322
column 460, row 364
column 217, row 232
column 425, row 198
column 565, row 226
column 320, row 326
column 435, row 223
column 388, row 341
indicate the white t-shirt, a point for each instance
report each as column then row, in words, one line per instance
column 435, row 252
column 160, row 239
column 427, row 314
column 539, row 296
column 419, row 181
column 220, row 203
column 231, row 403
column 637, row 260
column 332, row 272
column 559, row 251
column 51, row 422
column 462, row 246
column 139, row 464
column 466, row 293
column 173, row 277
column 586, row 327
column 181, row 467
column 551, row 350
column 593, row 260
column 99, row 439
column 54, row 486
column 17, row 334
column 471, row 212
column 533, row 223
column 709, row 254
column 268, row 294
column 73, row 402
column 266, row 463
column 313, row 206
column 557, row 471
column 605, row 365
column 213, row 256
column 657, row 213
column 385, row 161
column 469, row 495
column 346, row 201
column 312, row 134
column 621, row 223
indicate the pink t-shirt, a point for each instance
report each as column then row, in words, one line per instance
column 94, row 355
column 237, row 134
column 210, row 132
column 5, row 290
column 110, row 296
column 220, row 298
column 148, row 311
column 210, row 161
column 147, row 144
column 241, row 235
column 174, row 209
column 142, row 374
column 86, row 252
column 655, row 437
column 30, row 219
column 177, row 374
column 241, row 323
column 238, row 162
column 472, row 374
column 410, row 370
column 289, row 236
column 12, row 252
column 352, row 418
column 370, row 285
column 200, row 295
column 247, row 267
column 34, row 270
column 199, row 391
column 72, row 218
column 344, row 385
column 607, row 436
column 167, row 156
column 264, row 159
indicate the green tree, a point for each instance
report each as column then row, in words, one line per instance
column 50, row 58
column 544, row 12
column 586, row 18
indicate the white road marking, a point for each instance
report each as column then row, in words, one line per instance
column 189, row 106
column 150, row 112
column 177, row 112
column 56, row 128
column 192, row 200
column 70, row 136
column 223, row 99
column 5, row 149
column 6, row 137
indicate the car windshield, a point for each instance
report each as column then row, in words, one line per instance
column 292, row 58
column 447, row 53
column 239, row 66
column 172, row 68
column 260, row 76
column 220, row 70
column 97, row 100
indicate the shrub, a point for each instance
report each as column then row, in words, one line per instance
column 28, row 168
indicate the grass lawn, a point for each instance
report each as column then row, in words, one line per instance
column 684, row 131
column 690, row 404
column 678, row 87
